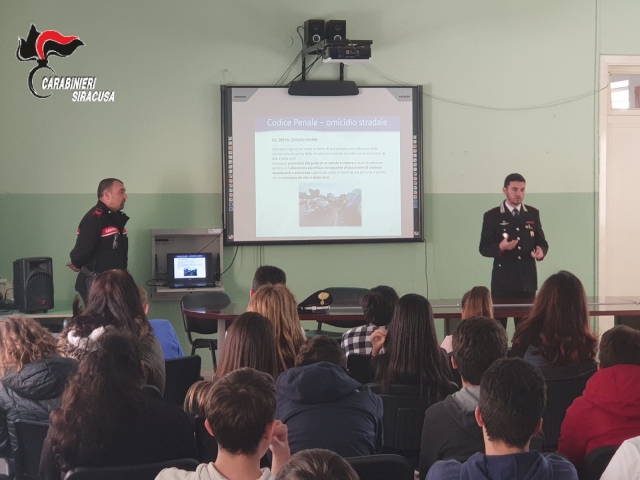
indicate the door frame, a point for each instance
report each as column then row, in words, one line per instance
column 619, row 63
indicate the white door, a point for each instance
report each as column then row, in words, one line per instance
column 619, row 196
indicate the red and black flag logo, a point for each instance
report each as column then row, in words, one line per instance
column 39, row 46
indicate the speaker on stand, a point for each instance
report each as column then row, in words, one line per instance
column 336, row 30
column 33, row 284
column 313, row 32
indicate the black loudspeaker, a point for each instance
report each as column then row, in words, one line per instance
column 313, row 32
column 336, row 30
column 33, row 284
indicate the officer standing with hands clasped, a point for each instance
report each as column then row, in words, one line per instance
column 102, row 242
column 512, row 235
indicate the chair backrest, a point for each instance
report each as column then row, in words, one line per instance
column 597, row 462
column 30, row 436
column 561, row 392
column 346, row 297
column 206, row 444
column 131, row 472
column 359, row 366
column 211, row 300
column 455, row 373
column 403, row 416
column 381, row 467
column 181, row 373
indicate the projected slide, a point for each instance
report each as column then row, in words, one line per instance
column 309, row 169
column 326, row 176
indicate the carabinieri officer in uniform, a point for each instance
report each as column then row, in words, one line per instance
column 102, row 242
column 512, row 235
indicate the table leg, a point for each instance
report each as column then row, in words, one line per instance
column 222, row 333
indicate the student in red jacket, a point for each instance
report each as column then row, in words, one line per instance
column 608, row 412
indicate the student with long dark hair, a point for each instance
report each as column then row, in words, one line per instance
column 556, row 332
column 108, row 416
column 114, row 305
column 412, row 355
column 250, row 343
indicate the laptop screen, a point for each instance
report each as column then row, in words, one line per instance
column 189, row 270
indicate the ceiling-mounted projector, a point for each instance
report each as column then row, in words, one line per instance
column 347, row 51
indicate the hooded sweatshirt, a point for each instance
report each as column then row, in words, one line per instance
column 517, row 466
column 607, row 413
column 450, row 429
column 31, row 394
column 323, row 407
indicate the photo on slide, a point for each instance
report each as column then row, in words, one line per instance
column 330, row 205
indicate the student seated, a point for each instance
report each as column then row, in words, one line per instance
column 324, row 407
column 267, row 275
column 377, row 306
column 277, row 303
column 32, row 378
column 608, row 412
column 512, row 399
column 250, row 343
column 239, row 410
column 163, row 330
column 450, row 429
column 317, row 464
column 556, row 331
column 475, row 303
column 625, row 464
column 411, row 354
column 114, row 305
column 109, row 417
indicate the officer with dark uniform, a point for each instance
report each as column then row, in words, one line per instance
column 512, row 235
column 102, row 242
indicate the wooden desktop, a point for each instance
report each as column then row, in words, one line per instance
column 442, row 309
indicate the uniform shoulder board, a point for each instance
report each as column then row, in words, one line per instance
column 491, row 210
column 97, row 212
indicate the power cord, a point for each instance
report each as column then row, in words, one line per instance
column 232, row 260
column 288, row 70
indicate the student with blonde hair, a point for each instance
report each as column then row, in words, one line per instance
column 277, row 303
column 475, row 303
column 32, row 378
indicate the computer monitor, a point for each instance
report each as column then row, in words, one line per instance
column 190, row 270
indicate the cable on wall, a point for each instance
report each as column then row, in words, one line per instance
column 490, row 107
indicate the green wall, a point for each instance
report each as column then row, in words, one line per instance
column 510, row 86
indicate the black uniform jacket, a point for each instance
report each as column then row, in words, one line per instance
column 513, row 270
column 102, row 242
